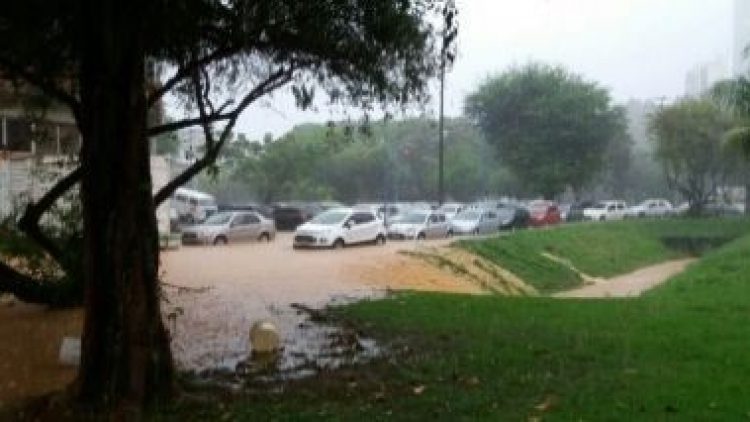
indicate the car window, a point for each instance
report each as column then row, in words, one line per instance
column 362, row 217
column 441, row 218
column 433, row 219
column 611, row 208
column 491, row 215
column 252, row 219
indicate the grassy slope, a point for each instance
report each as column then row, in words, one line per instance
column 597, row 249
column 678, row 353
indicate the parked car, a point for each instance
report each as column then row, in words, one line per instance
column 521, row 218
column 544, row 213
column 289, row 216
column 264, row 210
column 451, row 209
column 420, row 225
column 606, row 210
column 475, row 221
column 340, row 227
column 651, row 208
column 224, row 227
column 575, row 212
column 193, row 206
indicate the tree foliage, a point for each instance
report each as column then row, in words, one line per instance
column 112, row 62
column 550, row 127
column 688, row 138
column 396, row 160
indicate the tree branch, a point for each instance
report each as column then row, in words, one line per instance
column 186, row 71
column 29, row 222
column 61, row 293
column 274, row 81
column 46, row 87
column 182, row 124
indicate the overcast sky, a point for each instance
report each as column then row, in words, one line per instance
column 637, row 48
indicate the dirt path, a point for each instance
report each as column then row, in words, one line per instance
column 632, row 284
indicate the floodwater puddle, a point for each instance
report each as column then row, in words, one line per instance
column 211, row 335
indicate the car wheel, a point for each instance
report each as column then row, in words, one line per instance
column 265, row 237
column 338, row 244
column 475, row 232
column 642, row 215
column 220, row 240
column 602, row 218
column 450, row 233
column 421, row 236
column 380, row 240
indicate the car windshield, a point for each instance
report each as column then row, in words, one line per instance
column 414, row 218
column 468, row 216
column 218, row 219
column 330, row 218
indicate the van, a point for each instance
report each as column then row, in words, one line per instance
column 193, row 206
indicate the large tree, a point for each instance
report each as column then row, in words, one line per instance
column 734, row 96
column 549, row 126
column 111, row 62
column 688, row 138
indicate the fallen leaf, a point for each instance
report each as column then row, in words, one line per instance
column 419, row 389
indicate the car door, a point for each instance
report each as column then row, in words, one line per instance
column 442, row 226
column 253, row 227
column 360, row 227
column 621, row 207
column 432, row 228
column 236, row 229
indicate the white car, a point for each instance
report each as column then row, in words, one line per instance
column 652, row 208
column 451, row 210
column 475, row 221
column 340, row 227
column 420, row 225
column 606, row 211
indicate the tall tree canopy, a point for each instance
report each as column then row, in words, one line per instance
column 111, row 62
column 688, row 138
column 549, row 126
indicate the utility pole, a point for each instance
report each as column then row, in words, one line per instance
column 441, row 132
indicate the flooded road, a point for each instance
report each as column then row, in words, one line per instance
column 215, row 294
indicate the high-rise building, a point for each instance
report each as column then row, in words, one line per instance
column 741, row 60
column 703, row 76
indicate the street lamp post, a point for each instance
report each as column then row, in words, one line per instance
column 441, row 134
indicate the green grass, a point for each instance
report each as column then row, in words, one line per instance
column 601, row 250
column 678, row 353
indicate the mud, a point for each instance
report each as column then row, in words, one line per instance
column 213, row 295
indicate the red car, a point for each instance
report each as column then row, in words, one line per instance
column 544, row 213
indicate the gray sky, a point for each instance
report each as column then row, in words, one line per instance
column 637, row 48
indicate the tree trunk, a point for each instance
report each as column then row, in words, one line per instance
column 126, row 359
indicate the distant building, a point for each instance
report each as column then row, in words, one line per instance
column 740, row 60
column 38, row 146
column 703, row 76
column 638, row 113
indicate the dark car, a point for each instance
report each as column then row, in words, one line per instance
column 575, row 212
column 289, row 216
column 520, row 220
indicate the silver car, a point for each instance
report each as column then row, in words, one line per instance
column 225, row 227
column 420, row 225
column 475, row 221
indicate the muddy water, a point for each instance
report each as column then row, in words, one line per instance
column 215, row 295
